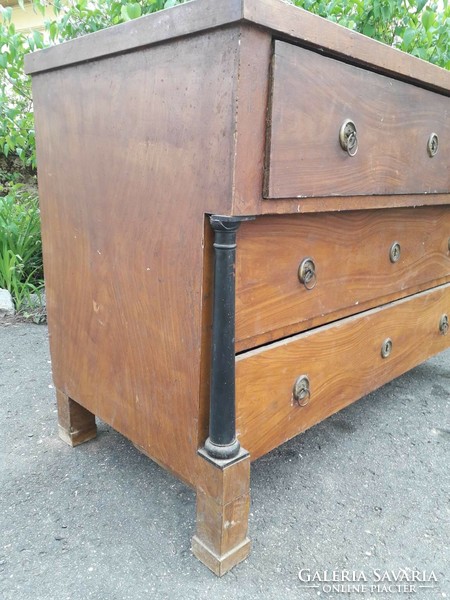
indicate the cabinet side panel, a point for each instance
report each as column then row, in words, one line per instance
column 132, row 151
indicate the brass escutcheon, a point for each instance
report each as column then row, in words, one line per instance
column 394, row 252
column 443, row 325
column 348, row 137
column 307, row 273
column 301, row 391
column 386, row 347
column 433, row 145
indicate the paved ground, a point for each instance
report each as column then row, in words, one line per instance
column 367, row 489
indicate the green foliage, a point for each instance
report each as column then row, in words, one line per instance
column 21, row 269
column 8, row 178
column 16, row 116
column 420, row 27
column 73, row 18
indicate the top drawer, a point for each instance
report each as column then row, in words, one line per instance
column 312, row 96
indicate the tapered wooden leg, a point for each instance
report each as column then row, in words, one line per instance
column 75, row 423
column 223, row 502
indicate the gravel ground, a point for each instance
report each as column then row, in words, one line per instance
column 365, row 490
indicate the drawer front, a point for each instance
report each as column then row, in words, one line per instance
column 354, row 269
column 342, row 361
column 312, row 96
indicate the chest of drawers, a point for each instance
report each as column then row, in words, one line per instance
column 246, row 227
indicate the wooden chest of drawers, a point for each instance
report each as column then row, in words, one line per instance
column 246, row 227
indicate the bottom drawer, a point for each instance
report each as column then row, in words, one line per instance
column 342, row 361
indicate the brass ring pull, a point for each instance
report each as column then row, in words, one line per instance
column 307, row 273
column 394, row 252
column 443, row 325
column 301, row 391
column 433, row 145
column 348, row 137
column 386, row 348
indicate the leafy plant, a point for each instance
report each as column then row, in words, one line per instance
column 12, row 275
column 420, row 27
column 78, row 17
column 21, row 270
column 16, row 114
column 8, row 178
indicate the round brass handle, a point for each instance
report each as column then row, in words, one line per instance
column 307, row 273
column 386, row 348
column 443, row 325
column 301, row 391
column 433, row 145
column 394, row 252
column 348, row 137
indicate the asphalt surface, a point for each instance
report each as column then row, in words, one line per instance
column 366, row 490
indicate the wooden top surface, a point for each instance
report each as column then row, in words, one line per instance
column 281, row 19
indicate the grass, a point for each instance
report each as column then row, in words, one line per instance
column 21, row 270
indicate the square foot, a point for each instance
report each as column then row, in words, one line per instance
column 75, row 438
column 219, row 565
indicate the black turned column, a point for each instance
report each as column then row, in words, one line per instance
column 222, row 443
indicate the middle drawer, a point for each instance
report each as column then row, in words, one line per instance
column 360, row 259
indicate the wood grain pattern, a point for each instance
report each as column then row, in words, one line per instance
column 313, row 95
column 354, row 272
column 123, row 194
column 343, row 362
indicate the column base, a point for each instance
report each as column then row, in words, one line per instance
column 75, row 438
column 219, row 565
column 223, row 504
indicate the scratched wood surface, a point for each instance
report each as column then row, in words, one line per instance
column 353, row 268
column 313, row 95
column 123, row 196
column 343, row 362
